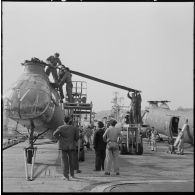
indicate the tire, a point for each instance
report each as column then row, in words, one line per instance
column 123, row 149
column 82, row 155
column 161, row 139
column 140, row 149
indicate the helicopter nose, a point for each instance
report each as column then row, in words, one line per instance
column 26, row 103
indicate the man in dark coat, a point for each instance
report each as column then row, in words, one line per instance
column 100, row 147
column 138, row 107
column 135, row 111
column 53, row 61
column 132, row 114
column 67, row 135
column 65, row 77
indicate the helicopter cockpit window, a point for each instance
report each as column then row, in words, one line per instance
column 27, row 81
column 34, row 103
column 28, row 98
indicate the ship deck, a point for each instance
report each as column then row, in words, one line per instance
column 152, row 171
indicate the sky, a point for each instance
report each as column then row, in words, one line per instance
column 146, row 46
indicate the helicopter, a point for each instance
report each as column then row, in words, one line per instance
column 34, row 102
column 167, row 121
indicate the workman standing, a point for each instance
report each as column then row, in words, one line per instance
column 54, row 62
column 148, row 135
column 138, row 107
column 67, row 135
column 88, row 131
column 135, row 111
column 171, row 146
column 154, row 134
column 133, row 117
column 65, row 77
column 100, row 147
column 112, row 136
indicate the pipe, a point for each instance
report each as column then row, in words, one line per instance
column 103, row 81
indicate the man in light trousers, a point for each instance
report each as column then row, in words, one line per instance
column 153, row 139
column 112, row 134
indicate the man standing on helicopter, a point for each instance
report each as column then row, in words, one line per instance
column 65, row 77
column 53, row 62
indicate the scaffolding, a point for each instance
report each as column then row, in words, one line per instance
column 80, row 105
column 78, row 108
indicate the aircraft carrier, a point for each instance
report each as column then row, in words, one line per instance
column 150, row 172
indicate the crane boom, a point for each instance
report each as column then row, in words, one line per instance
column 103, row 81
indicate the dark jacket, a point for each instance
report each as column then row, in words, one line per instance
column 65, row 77
column 67, row 135
column 54, row 60
column 98, row 141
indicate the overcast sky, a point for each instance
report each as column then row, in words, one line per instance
column 145, row 46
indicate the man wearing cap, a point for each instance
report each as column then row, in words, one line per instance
column 65, row 77
column 53, row 61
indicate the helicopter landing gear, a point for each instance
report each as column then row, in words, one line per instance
column 29, row 155
column 29, row 160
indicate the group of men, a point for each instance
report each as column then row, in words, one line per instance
column 60, row 77
column 105, row 144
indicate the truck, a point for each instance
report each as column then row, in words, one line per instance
column 131, row 141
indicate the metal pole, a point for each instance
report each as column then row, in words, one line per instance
column 81, row 88
column 90, row 115
column 26, row 168
column 33, row 161
column 128, row 138
column 79, row 136
column 79, row 145
column 132, row 140
column 103, row 81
